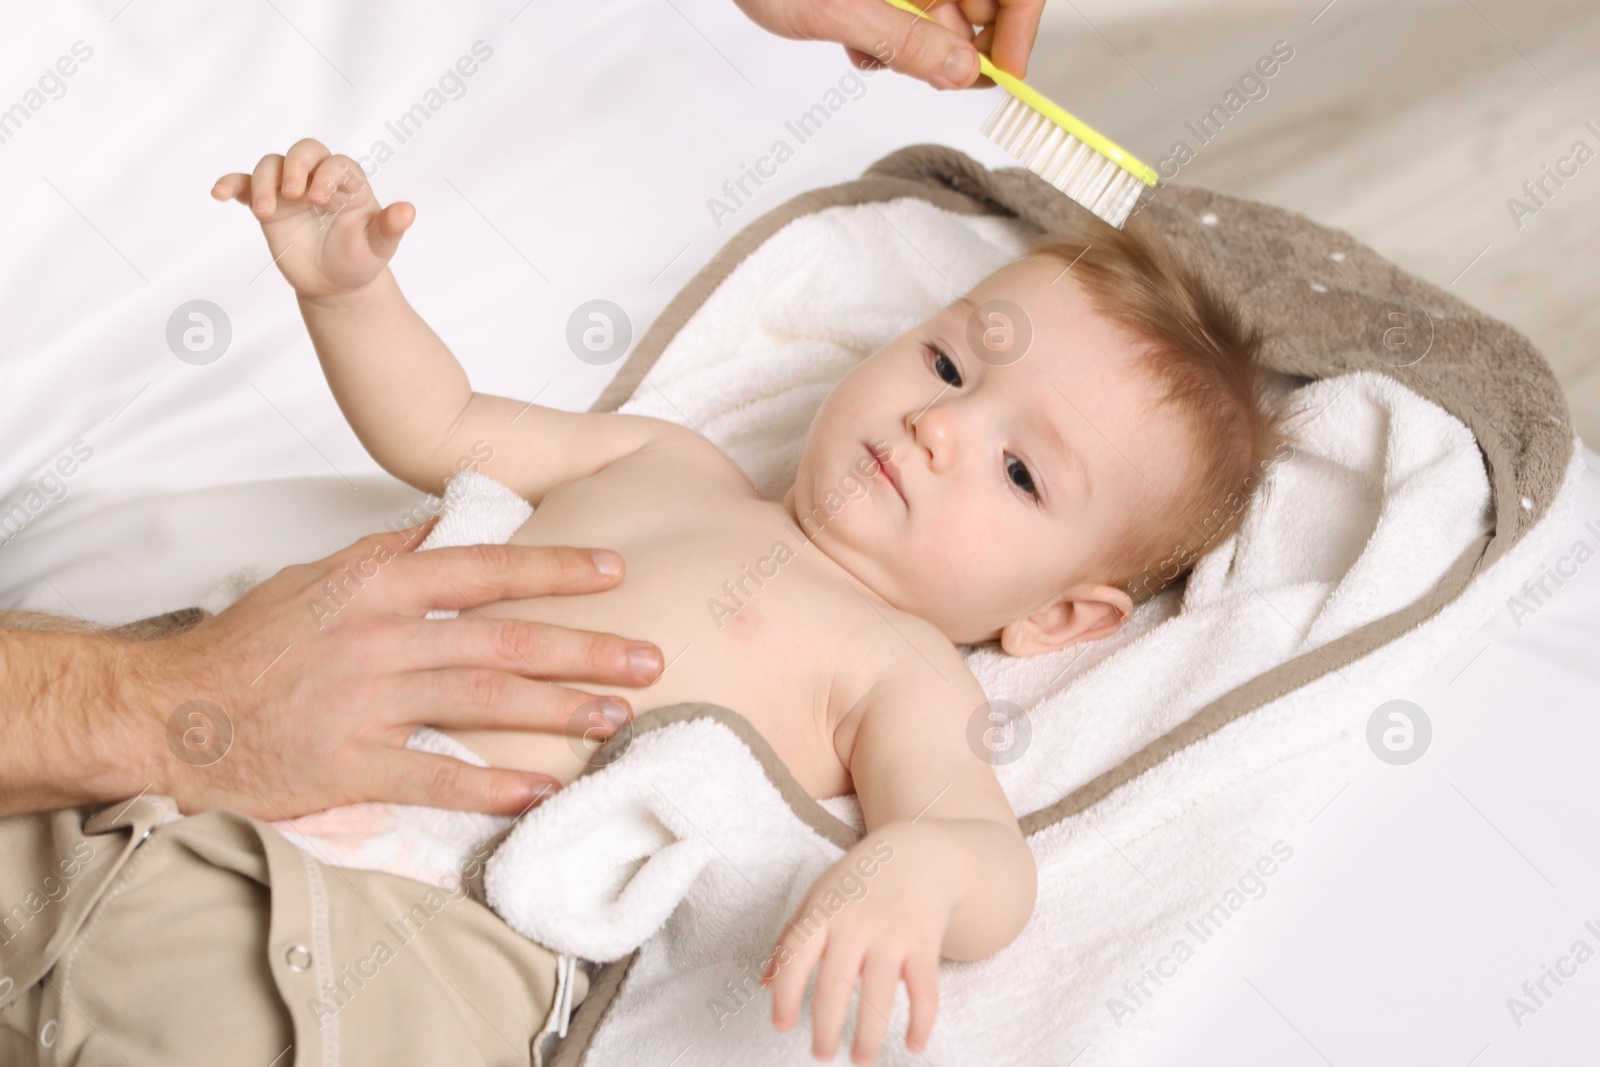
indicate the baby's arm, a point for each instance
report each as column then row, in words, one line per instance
column 400, row 388
column 943, row 870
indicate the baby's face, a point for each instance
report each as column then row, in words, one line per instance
column 1006, row 479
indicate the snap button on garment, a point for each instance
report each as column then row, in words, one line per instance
column 47, row 1033
column 298, row 957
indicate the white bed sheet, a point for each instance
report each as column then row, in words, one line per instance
column 1420, row 898
column 578, row 165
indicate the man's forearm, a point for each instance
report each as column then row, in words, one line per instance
column 67, row 740
column 397, row 383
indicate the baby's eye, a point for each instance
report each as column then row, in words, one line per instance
column 946, row 369
column 1017, row 471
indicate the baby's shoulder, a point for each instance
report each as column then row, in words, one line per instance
column 686, row 451
column 909, row 660
column 660, row 434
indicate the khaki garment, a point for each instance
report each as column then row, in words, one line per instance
column 215, row 940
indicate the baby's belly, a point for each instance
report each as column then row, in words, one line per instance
column 737, row 626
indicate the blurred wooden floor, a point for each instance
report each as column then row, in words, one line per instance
column 1407, row 124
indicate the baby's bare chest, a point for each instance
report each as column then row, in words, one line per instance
column 746, row 611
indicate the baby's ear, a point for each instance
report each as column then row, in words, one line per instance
column 1083, row 613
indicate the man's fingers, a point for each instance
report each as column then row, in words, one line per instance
column 494, row 700
column 934, row 52
column 951, row 16
column 941, row 55
column 1015, row 29
column 980, row 12
column 405, row 539
column 404, row 776
column 472, row 575
column 862, row 60
column 531, row 649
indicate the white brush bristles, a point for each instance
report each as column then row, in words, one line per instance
column 1061, row 159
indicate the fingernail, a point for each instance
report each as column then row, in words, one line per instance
column 958, row 67
column 645, row 661
column 607, row 563
column 540, row 790
column 615, row 713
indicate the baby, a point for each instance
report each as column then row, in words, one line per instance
column 1035, row 457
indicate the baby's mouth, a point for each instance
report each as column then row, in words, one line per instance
column 887, row 469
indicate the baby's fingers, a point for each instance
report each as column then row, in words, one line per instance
column 387, row 227
column 232, row 187
column 264, row 186
column 922, row 983
column 830, row 1001
column 305, row 154
column 878, row 982
column 337, row 182
column 791, row 965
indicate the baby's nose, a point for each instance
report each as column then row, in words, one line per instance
column 934, row 430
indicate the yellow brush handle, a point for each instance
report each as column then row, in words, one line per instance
column 1051, row 110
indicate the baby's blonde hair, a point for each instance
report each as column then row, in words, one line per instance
column 1204, row 358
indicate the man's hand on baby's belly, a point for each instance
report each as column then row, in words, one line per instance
column 317, row 709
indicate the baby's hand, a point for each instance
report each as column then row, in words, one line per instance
column 321, row 220
column 889, row 910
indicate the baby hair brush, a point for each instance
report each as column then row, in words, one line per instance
column 1059, row 147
